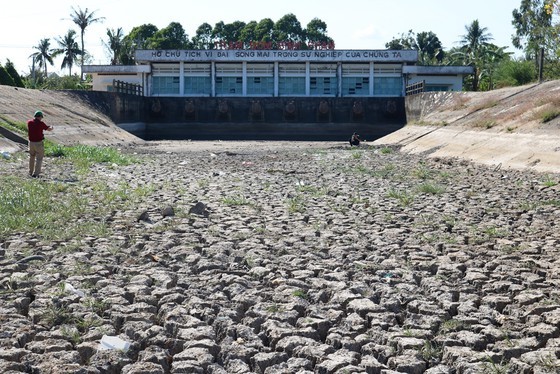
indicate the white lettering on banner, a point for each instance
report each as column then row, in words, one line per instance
column 245, row 54
column 174, row 54
column 277, row 55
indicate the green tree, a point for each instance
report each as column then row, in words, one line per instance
column 474, row 47
column 316, row 32
column 43, row 56
column 83, row 19
column 288, row 29
column 11, row 70
column 264, row 30
column 428, row 45
column 533, row 25
column 228, row 33
column 138, row 38
column 405, row 41
column 514, row 73
column 248, row 34
column 69, row 49
column 429, row 48
column 203, row 38
column 171, row 37
column 5, row 78
column 115, row 45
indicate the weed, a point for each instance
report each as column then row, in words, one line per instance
column 300, row 293
column 96, row 306
column 236, row 200
column 549, row 115
column 386, row 171
column 274, row 308
column 431, row 189
column 493, row 368
column 422, row 172
column 71, row 334
column 296, row 205
column 494, row 232
column 552, row 202
column 55, row 315
column 549, row 181
column 404, row 198
column 486, row 105
column 528, row 205
column 550, row 363
column 203, row 183
column 386, row 150
column 430, row 351
column 357, row 155
column 485, row 124
column 450, row 325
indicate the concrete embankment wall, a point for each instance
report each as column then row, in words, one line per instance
column 502, row 128
column 256, row 118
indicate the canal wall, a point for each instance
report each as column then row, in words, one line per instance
column 285, row 118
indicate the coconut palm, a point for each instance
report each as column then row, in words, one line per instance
column 115, row 44
column 474, row 45
column 68, row 47
column 476, row 36
column 83, row 19
column 43, row 56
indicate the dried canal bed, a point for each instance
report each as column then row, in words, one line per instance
column 307, row 258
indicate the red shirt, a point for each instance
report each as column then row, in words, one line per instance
column 35, row 128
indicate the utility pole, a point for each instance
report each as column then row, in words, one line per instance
column 33, row 73
column 541, row 62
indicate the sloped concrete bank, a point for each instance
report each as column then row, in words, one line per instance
column 502, row 128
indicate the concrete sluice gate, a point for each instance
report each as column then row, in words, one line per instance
column 299, row 118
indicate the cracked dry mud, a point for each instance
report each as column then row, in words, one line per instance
column 298, row 258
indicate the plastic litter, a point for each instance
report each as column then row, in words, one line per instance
column 113, row 343
column 6, row 155
column 71, row 289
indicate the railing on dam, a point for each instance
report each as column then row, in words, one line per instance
column 416, row 88
column 127, row 88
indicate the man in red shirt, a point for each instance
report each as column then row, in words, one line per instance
column 35, row 128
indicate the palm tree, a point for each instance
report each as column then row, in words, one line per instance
column 43, row 56
column 474, row 45
column 83, row 19
column 68, row 47
column 115, row 44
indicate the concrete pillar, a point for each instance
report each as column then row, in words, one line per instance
column 181, row 78
column 339, row 79
column 276, row 79
column 371, row 78
column 213, row 78
column 244, row 79
column 307, row 79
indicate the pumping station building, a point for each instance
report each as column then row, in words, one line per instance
column 259, row 89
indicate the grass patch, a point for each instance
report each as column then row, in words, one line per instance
column 19, row 128
column 404, row 198
column 549, row 181
column 85, row 155
column 486, row 124
column 486, row 105
column 26, row 205
column 296, row 205
column 431, row 189
column 547, row 115
column 236, row 200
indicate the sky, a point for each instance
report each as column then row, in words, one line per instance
column 355, row 24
